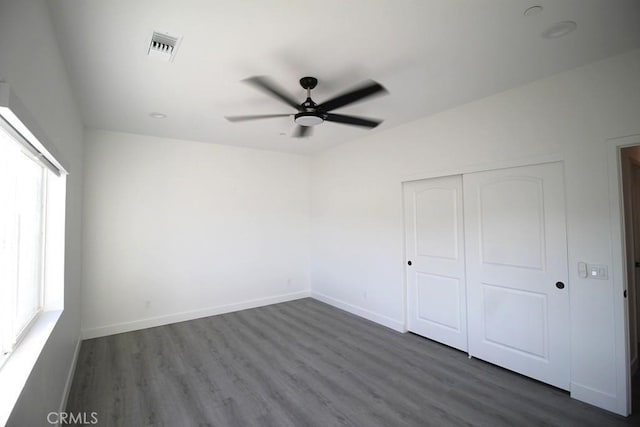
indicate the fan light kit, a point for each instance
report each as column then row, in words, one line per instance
column 311, row 114
column 308, row 119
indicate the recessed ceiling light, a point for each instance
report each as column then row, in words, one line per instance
column 559, row 29
column 156, row 115
column 533, row 10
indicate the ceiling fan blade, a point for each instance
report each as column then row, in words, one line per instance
column 302, row 131
column 266, row 85
column 352, row 120
column 365, row 89
column 254, row 117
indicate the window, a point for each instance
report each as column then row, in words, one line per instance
column 32, row 197
column 32, row 234
column 23, row 180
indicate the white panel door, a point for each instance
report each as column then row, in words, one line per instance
column 436, row 293
column 516, row 254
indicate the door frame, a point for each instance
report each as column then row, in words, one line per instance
column 619, row 270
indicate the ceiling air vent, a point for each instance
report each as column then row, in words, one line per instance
column 163, row 47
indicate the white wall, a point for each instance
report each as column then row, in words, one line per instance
column 32, row 65
column 357, row 231
column 176, row 230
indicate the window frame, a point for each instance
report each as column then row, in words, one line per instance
column 10, row 337
column 19, row 364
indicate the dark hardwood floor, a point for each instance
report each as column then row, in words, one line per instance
column 304, row 363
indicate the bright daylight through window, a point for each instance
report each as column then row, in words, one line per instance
column 26, row 176
column 23, row 181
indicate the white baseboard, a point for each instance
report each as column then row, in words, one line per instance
column 72, row 370
column 597, row 398
column 362, row 312
column 188, row 315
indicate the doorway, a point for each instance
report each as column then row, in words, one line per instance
column 626, row 291
column 630, row 173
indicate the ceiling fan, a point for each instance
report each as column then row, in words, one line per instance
column 311, row 114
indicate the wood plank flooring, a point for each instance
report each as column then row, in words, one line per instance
column 304, row 363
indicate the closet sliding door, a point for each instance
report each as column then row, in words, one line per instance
column 435, row 260
column 487, row 267
column 516, row 252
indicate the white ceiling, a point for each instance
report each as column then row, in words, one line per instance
column 430, row 54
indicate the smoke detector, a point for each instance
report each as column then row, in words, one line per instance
column 163, row 46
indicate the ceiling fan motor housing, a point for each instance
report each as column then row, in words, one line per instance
column 310, row 116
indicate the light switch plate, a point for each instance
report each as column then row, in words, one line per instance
column 598, row 271
column 593, row 271
column 582, row 270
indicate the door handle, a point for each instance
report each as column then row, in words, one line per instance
column 409, row 262
column 559, row 285
column 637, row 263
